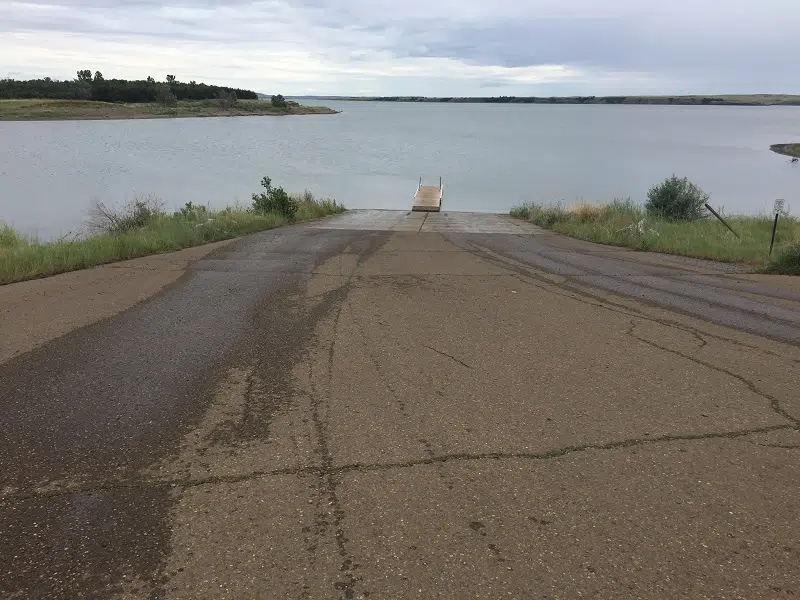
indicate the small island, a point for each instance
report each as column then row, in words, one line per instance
column 792, row 150
column 91, row 96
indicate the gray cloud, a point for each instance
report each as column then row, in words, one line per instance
column 712, row 46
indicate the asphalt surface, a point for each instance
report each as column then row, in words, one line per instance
column 394, row 405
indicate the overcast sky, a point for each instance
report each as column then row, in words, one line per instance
column 419, row 47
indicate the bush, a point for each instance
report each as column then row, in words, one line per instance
column 278, row 101
column 136, row 215
column 275, row 200
column 227, row 99
column 788, row 262
column 521, row 212
column 676, row 199
column 193, row 212
column 9, row 238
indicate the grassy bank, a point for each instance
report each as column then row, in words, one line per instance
column 792, row 150
column 618, row 224
column 141, row 229
column 42, row 110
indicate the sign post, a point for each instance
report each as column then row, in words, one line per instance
column 777, row 209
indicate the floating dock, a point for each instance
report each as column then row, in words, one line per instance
column 428, row 197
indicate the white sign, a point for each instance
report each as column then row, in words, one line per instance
column 778, row 206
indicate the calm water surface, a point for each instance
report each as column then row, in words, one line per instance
column 491, row 157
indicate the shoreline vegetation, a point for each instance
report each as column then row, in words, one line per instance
column 792, row 150
column 696, row 100
column 699, row 235
column 144, row 228
column 92, row 96
column 64, row 110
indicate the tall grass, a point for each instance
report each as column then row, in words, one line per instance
column 127, row 234
column 623, row 223
column 9, row 238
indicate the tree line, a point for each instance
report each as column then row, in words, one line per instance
column 88, row 86
column 689, row 100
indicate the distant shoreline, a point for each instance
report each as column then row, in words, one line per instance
column 88, row 110
column 711, row 100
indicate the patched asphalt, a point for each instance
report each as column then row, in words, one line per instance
column 398, row 405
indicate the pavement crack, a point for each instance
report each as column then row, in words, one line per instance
column 328, row 475
column 559, row 452
column 773, row 401
column 328, row 472
column 783, row 446
column 450, row 356
column 381, row 375
column 431, row 454
column 425, row 218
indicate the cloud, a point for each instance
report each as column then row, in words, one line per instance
column 450, row 47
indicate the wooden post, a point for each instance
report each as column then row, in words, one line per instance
column 713, row 212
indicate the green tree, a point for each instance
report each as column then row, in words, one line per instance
column 98, row 76
column 227, row 99
column 165, row 96
column 278, row 101
column 85, row 76
column 171, row 79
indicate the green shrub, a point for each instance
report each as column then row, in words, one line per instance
column 788, row 262
column 521, row 212
column 193, row 212
column 275, row 200
column 9, row 238
column 676, row 199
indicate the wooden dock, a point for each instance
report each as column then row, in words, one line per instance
column 428, row 197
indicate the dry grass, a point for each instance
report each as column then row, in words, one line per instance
column 585, row 212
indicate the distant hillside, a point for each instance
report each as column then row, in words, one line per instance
column 715, row 100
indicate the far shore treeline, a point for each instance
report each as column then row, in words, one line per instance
column 725, row 100
column 88, row 86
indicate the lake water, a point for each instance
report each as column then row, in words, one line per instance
column 490, row 157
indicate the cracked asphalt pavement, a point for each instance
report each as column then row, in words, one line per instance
column 397, row 405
